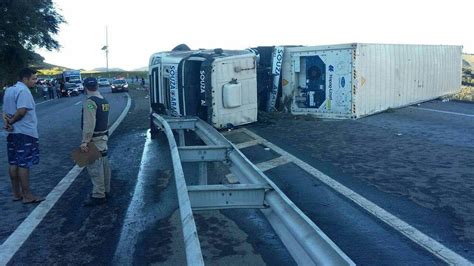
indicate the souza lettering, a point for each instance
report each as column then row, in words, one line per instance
column 174, row 101
column 202, row 78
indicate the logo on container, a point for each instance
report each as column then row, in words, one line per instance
column 343, row 82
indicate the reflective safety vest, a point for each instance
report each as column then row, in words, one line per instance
column 101, row 116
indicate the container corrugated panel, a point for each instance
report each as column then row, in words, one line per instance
column 392, row 76
column 383, row 76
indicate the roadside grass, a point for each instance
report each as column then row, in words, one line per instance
column 115, row 74
column 466, row 94
column 469, row 58
column 137, row 86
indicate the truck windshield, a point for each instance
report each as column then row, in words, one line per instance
column 73, row 79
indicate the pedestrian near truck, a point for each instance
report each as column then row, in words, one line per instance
column 44, row 88
column 50, row 90
column 19, row 120
column 95, row 117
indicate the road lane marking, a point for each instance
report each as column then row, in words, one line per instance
column 78, row 102
column 247, row 144
column 439, row 111
column 273, row 163
column 263, row 166
column 44, row 102
column 14, row 242
column 424, row 241
column 122, row 115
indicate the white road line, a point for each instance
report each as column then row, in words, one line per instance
column 439, row 111
column 122, row 115
column 26, row 228
column 44, row 101
column 265, row 166
column 247, row 144
column 78, row 102
column 426, row 242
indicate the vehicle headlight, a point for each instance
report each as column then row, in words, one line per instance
column 113, row 87
column 125, row 86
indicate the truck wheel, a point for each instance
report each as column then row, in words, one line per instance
column 154, row 131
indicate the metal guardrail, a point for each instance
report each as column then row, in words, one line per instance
column 191, row 239
column 307, row 244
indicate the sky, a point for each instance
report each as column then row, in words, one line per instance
column 139, row 28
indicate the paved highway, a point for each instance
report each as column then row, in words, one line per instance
column 394, row 189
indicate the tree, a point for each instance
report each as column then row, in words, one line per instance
column 25, row 25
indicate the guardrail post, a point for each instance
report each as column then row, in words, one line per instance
column 181, row 138
column 202, row 173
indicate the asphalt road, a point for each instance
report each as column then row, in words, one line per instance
column 413, row 162
column 140, row 223
column 59, row 130
column 416, row 162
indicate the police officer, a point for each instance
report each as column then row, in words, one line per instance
column 95, row 117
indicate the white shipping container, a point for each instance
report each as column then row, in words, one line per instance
column 355, row 80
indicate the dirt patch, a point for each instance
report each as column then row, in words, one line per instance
column 267, row 118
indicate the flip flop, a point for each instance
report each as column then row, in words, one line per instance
column 17, row 199
column 37, row 200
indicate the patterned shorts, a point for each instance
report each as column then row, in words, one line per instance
column 23, row 150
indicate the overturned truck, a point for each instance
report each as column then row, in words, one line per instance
column 225, row 87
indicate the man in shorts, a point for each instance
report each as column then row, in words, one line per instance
column 19, row 119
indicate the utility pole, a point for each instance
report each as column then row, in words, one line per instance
column 106, row 49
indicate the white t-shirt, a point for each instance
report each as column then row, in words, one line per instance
column 16, row 97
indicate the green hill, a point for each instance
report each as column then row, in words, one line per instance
column 468, row 61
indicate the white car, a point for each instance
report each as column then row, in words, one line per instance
column 103, row 82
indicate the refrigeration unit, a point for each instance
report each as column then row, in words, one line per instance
column 219, row 86
column 355, row 80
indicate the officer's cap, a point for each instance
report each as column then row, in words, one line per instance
column 90, row 82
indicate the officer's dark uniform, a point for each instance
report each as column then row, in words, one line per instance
column 95, row 117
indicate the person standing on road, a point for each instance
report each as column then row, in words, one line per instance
column 57, row 86
column 95, row 117
column 50, row 90
column 44, row 88
column 19, row 118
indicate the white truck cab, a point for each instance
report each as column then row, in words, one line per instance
column 219, row 86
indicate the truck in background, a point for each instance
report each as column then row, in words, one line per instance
column 71, row 79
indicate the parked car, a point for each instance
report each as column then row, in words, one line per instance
column 119, row 85
column 103, row 82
